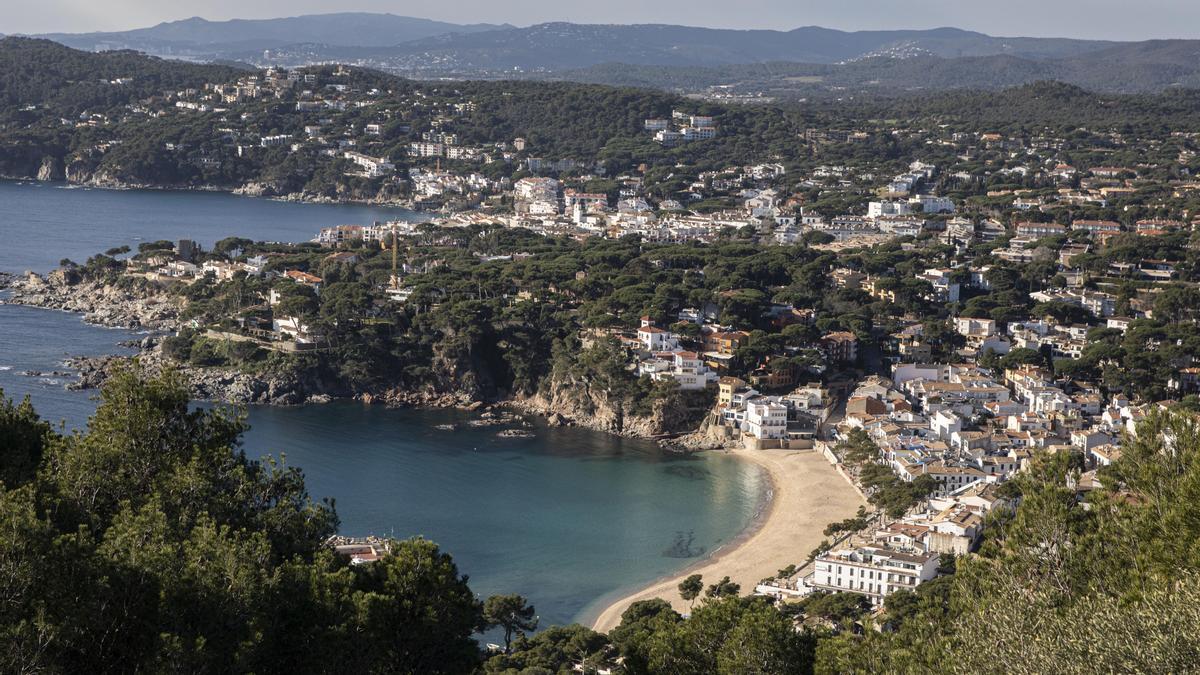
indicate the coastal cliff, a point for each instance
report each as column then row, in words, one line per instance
column 149, row 306
column 51, row 170
column 132, row 306
column 578, row 401
column 87, row 172
column 386, row 195
column 461, row 371
column 224, row 385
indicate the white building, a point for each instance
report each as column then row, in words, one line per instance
column 656, row 339
column 698, row 133
column 873, row 571
column 880, row 209
column 944, row 288
column 685, row 368
column 974, row 327
column 274, row 141
column 945, row 423
column 299, row 331
column 933, row 204
column 536, row 189
column 766, row 418
column 373, row 166
column 668, row 137
column 426, row 149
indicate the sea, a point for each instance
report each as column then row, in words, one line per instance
column 572, row 519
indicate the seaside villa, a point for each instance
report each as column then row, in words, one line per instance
column 873, row 571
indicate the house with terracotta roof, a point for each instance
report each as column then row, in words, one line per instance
column 841, row 346
column 310, row 280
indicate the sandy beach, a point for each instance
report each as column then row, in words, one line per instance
column 808, row 495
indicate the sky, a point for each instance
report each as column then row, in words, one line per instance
column 1095, row 19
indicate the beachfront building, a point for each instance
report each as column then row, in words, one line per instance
column 873, row 571
column 766, row 418
column 726, row 388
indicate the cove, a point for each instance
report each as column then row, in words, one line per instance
column 565, row 518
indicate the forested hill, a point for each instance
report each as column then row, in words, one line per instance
column 557, row 45
column 112, row 118
column 44, row 73
column 782, row 63
column 1045, row 104
column 1129, row 67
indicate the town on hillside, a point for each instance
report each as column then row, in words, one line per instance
column 947, row 341
column 929, row 320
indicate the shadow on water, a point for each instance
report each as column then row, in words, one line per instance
column 684, row 546
column 688, row 472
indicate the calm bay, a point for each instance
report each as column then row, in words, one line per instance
column 566, row 518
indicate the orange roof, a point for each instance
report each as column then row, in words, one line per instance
column 303, row 277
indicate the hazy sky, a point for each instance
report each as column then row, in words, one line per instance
column 1107, row 19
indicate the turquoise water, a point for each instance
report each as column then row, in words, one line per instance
column 566, row 518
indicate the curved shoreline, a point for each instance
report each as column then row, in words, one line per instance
column 804, row 484
column 765, row 508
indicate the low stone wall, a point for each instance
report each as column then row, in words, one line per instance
column 287, row 346
column 801, row 444
column 827, row 452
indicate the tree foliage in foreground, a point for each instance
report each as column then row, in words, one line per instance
column 150, row 542
column 1104, row 582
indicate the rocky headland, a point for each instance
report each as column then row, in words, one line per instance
column 78, row 172
column 222, row 385
column 133, row 306
column 571, row 401
column 150, row 306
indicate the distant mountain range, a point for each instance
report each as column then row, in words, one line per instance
column 1122, row 68
column 565, row 45
column 798, row 62
column 200, row 38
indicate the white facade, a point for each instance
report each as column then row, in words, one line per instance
column 873, row 571
column 656, row 339
column 880, row 209
column 374, row 166
column 765, row 418
column 945, row 423
column 933, row 204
